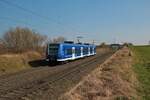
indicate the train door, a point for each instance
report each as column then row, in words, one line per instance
column 88, row 51
column 93, row 51
column 73, row 52
column 81, row 51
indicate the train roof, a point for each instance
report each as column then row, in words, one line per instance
column 75, row 44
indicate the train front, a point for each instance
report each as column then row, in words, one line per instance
column 52, row 52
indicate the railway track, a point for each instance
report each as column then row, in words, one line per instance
column 48, row 82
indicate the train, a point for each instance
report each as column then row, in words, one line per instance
column 66, row 51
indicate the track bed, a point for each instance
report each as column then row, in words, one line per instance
column 47, row 83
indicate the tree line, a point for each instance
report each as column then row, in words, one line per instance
column 23, row 39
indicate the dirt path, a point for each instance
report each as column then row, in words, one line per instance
column 47, row 83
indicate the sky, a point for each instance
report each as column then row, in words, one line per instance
column 110, row 21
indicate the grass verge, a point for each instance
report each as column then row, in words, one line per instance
column 142, row 69
column 113, row 80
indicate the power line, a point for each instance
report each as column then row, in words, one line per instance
column 31, row 12
column 24, row 9
column 15, row 20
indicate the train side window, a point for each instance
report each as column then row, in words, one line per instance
column 85, row 50
column 91, row 50
column 69, row 51
column 94, row 49
column 78, row 51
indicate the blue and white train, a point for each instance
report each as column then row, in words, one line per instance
column 58, row 52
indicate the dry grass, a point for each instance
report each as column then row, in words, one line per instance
column 10, row 63
column 103, row 49
column 114, row 79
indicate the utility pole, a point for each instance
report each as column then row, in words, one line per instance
column 78, row 38
column 114, row 40
column 149, row 42
column 93, row 42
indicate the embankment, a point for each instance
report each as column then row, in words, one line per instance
column 114, row 79
column 10, row 63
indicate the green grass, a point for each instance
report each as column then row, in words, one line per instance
column 142, row 68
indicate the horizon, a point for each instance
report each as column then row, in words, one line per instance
column 112, row 21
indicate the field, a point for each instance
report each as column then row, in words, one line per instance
column 142, row 68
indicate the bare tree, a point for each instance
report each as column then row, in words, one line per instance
column 2, row 47
column 20, row 39
column 59, row 39
column 103, row 44
column 1, row 41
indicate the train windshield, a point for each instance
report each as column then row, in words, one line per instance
column 53, row 49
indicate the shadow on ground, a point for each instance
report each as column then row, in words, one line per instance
column 38, row 63
column 42, row 63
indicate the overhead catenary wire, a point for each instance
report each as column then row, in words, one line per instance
column 16, row 20
column 25, row 9
column 46, row 18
